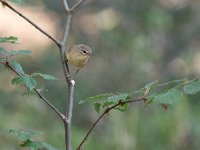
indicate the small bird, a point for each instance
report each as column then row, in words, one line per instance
column 78, row 55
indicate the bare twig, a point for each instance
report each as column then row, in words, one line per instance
column 66, row 5
column 70, row 82
column 51, row 105
column 31, row 22
column 39, row 94
column 66, row 30
column 66, row 71
column 69, row 114
column 63, row 47
column 75, row 7
column 104, row 113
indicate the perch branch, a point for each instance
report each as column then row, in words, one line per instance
column 70, row 82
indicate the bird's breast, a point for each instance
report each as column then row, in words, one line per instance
column 79, row 61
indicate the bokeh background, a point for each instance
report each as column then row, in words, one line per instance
column 134, row 42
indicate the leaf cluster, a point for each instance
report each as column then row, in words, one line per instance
column 26, row 136
column 165, row 94
column 7, row 58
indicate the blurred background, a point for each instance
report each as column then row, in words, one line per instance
column 134, row 42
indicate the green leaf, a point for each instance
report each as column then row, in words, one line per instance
column 30, row 82
column 16, row 66
column 10, row 39
column 117, row 97
column 2, row 50
column 3, row 53
column 107, row 97
column 17, row 80
column 122, row 108
column 172, row 82
column 108, row 103
column 192, row 88
column 150, row 98
column 48, row 147
column 96, row 98
column 36, row 145
column 19, row 52
column 97, row 107
column 24, row 134
column 28, row 93
column 32, row 145
column 45, row 76
column 169, row 97
column 148, row 87
column 106, row 100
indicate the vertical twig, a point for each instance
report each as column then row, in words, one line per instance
column 70, row 82
column 63, row 47
column 68, row 133
column 66, row 6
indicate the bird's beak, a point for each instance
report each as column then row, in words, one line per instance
column 89, row 54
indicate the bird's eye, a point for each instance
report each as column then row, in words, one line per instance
column 84, row 51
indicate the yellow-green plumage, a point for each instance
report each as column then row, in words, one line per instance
column 78, row 55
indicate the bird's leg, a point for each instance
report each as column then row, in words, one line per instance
column 76, row 72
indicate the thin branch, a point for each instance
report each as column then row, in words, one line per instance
column 63, row 48
column 31, row 22
column 39, row 94
column 66, row 29
column 70, row 83
column 66, row 5
column 68, row 130
column 104, row 113
column 52, row 106
column 76, row 6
